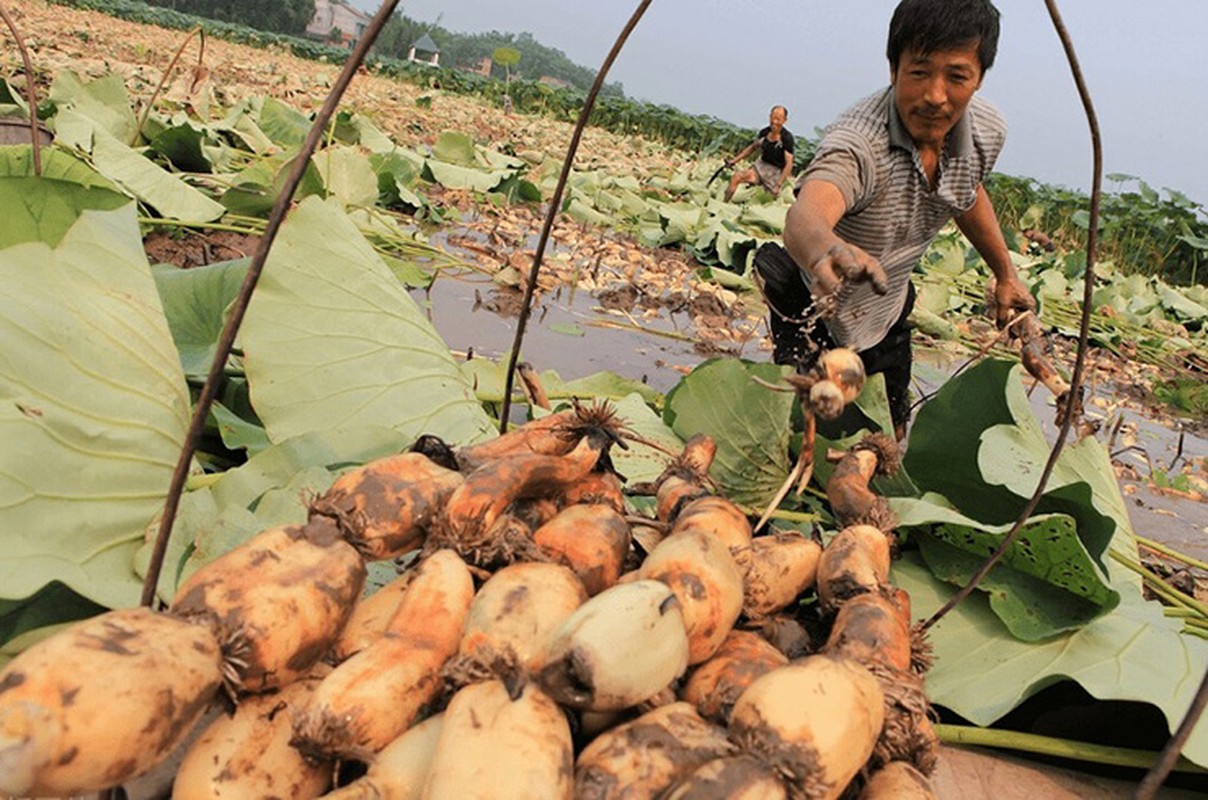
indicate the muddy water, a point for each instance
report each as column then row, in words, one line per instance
column 475, row 316
column 566, row 332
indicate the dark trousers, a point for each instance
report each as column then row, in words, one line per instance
column 790, row 303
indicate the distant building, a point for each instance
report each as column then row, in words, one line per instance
column 425, row 51
column 483, row 67
column 550, row 80
column 337, row 22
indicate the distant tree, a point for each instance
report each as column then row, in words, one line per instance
column 278, row 16
column 506, row 57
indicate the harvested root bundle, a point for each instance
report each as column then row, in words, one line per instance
column 385, row 508
column 535, row 512
column 248, row 754
column 370, row 699
column 776, row 570
column 621, row 647
column 714, row 686
column 398, row 772
column 718, row 517
column 826, row 399
column 673, row 494
column 897, row 781
column 553, row 435
column 844, row 368
column 855, row 561
column 498, row 743
column 703, row 575
column 488, row 491
column 814, row 721
column 644, row 756
column 871, row 629
column 516, row 612
column 787, row 635
column 593, row 540
column 103, row 701
column 283, row 596
column 731, row 778
column 683, row 480
column 851, row 501
column 369, row 618
column 596, row 489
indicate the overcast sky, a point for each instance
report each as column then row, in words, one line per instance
column 1145, row 64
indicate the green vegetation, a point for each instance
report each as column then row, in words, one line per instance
column 468, row 50
column 1141, row 232
column 279, row 16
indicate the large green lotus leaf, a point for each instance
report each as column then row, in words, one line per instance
column 332, row 340
column 17, row 161
column 599, row 384
column 454, row 147
column 103, row 101
column 94, row 413
column 1082, row 485
column 1183, row 307
column 947, row 439
column 580, row 211
column 42, row 209
column 370, row 136
column 769, row 217
column 285, row 126
column 642, row 462
column 195, row 303
column 238, row 433
column 750, row 423
column 141, row 177
column 1046, row 582
column 452, row 176
column 1132, row 653
column 53, row 605
column 348, row 175
column 240, row 124
column 182, row 146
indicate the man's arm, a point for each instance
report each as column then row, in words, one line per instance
column 746, row 151
column 980, row 226
column 810, row 238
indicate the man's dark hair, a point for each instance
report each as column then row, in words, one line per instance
column 782, row 108
column 928, row 26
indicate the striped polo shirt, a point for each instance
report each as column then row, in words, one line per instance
column 892, row 212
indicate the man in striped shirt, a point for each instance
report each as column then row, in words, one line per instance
column 887, row 176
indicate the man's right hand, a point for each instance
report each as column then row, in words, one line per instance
column 844, row 262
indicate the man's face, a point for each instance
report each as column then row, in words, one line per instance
column 932, row 90
column 776, row 118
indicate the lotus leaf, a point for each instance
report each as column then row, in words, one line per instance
column 332, row 340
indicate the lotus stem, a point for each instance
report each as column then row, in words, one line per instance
column 1050, row 746
column 1174, row 555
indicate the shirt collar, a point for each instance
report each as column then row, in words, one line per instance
column 960, row 138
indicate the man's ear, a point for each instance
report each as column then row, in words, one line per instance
column 893, row 75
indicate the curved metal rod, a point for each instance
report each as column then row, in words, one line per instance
column 1083, row 331
column 227, row 339
column 555, row 202
column 201, row 54
column 31, row 94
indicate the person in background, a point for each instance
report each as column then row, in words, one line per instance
column 887, row 175
column 775, row 162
